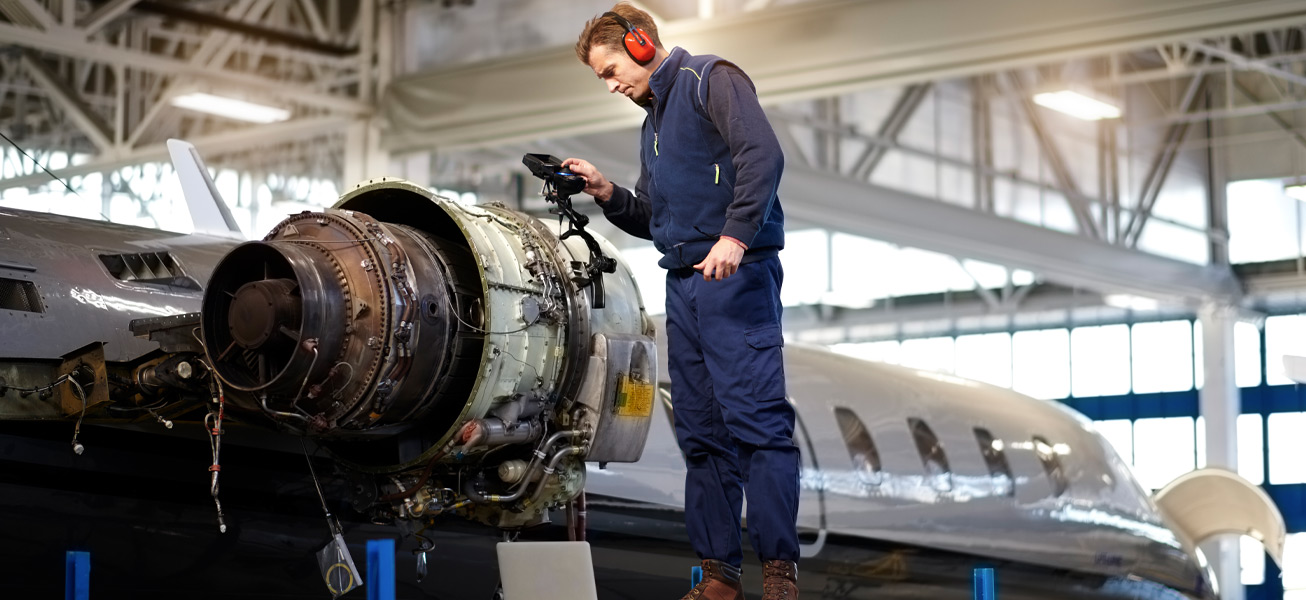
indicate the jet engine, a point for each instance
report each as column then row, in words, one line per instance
column 450, row 356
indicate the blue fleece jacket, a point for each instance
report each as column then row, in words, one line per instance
column 710, row 165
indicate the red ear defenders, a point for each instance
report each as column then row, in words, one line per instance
column 637, row 44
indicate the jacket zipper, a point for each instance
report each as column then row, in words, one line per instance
column 655, row 126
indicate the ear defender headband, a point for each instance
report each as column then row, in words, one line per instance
column 637, row 44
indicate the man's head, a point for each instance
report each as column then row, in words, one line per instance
column 601, row 46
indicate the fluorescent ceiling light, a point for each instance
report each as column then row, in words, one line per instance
column 231, row 108
column 1131, row 302
column 1077, row 105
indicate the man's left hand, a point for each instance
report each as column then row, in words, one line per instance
column 722, row 261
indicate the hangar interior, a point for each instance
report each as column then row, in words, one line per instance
column 1145, row 265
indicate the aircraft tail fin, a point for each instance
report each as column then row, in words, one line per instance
column 207, row 210
column 1212, row 501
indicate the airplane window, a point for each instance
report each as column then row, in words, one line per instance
column 865, row 457
column 995, row 456
column 932, row 454
column 1049, row 456
column 16, row 294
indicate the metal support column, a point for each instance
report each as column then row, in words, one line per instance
column 981, row 123
column 1220, row 405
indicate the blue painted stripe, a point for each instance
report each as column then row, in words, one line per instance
column 985, row 584
column 77, row 575
column 380, row 570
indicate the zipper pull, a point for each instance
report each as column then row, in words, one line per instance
column 655, row 143
column 717, row 180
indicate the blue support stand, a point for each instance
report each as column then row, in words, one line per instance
column 77, row 576
column 985, row 584
column 380, row 570
column 695, row 576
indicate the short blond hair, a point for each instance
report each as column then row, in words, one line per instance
column 606, row 31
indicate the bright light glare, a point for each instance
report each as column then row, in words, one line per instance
column 1297, row 192
column 1077, row 105
column 1130, row 302
column 231, row 108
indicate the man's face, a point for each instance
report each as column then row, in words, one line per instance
column 622, row 74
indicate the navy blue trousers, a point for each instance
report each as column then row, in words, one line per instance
column 733, row 422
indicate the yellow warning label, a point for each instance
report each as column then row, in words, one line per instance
column 634, row 398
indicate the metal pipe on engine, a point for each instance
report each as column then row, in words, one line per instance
column 553, row 465
column 469, row 488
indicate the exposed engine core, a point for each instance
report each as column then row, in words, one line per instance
column 430, row 343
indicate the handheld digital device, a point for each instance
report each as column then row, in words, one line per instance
column 559, row 185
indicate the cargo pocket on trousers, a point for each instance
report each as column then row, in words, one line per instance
column 765, row 364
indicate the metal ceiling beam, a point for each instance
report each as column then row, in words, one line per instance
column 314, row 18
column 28, row 12
column 962, row 314
column 842, row 204
column 1283, row 124
column 252, row 30
column 67, row 99
column 211, row 54
column 104, row 53
column 232, row 141
column 1080, row 205
column 981, row 134
column 105, row 14
column 830, row 48
column 1244, row 62
column 1161, row 164
column 908, row 101
column 835, row 202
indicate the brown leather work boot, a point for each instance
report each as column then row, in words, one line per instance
column 720, row 582
column 779, row 580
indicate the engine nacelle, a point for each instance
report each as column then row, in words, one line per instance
column 427, row 343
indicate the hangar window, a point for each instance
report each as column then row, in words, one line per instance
column 1041, row 363
column 1050, row 456
column 16, row 294
column 1120, row 434
column 932, row 454
column 985, row 357
column 1246, row 354
column 159, row 268
column 1285, row 335
column 886, row 352
column 1162, row 357
column 929, row 354
column 861, row 449
column 1164, row 448
column 1286, row 447
column 1099, row 361
column 1251, row 557
column 1251, row 446
column 994, row 452
column 1294, row 567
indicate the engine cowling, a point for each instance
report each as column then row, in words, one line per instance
column 425, row 343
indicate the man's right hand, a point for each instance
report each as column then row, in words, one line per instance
column 595, row 183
